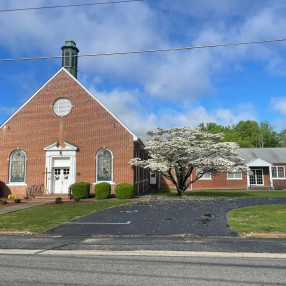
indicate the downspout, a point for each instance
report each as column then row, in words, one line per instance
column 271, row 179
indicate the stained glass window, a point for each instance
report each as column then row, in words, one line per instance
column 104, row 165
column 17, row 167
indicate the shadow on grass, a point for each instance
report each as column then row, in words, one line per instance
column 221, row 194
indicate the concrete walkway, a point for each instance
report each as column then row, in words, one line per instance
column 19, row 207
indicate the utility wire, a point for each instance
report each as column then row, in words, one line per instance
column 148, row 51
column 68, row 6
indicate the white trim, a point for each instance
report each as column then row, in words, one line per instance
column 25, row 170
column 27, row 101
column 254, row 170
column 257, row 162
column 52, row 153
column 234, row 177
column 16, row 185
column 135, row 138
column 96, row 161
column 283, row 178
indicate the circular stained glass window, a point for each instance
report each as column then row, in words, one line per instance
column 62, row 106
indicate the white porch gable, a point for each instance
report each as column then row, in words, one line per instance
column 258, row 162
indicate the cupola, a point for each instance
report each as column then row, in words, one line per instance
column 69, row 57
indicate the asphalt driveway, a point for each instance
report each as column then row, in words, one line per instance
column 203, row 217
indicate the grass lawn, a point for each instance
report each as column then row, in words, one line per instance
column 41, row 218
column 222, row 194
column 259, row 219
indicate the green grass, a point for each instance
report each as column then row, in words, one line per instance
column 222, row 194
column 41, row 218
column 259, row 219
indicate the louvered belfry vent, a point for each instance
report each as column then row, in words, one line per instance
column 69, row 57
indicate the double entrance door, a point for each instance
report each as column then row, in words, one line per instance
column 257, row 177
column 61, row 178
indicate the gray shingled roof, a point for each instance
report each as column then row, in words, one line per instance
column 271, row 155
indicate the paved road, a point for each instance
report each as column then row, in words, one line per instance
column 119, row 270
column 202, row 217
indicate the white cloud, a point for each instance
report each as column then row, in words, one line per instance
column 127, row 107
column 279, row 104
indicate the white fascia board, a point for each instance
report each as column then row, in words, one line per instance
column 135, row 138
column 54, row 147
column 26, row 102
column 259, row 163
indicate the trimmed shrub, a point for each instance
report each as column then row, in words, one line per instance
column 77, row 199
column 58, row 200
column 80, row 190
column 124, row 191
column 102, row 190
column 17, row 201
column 3, row 202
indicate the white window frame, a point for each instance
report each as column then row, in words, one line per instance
column 234, row 177
column 206, row 174
column 10, row 166
column 96, row 166
column 278, row 178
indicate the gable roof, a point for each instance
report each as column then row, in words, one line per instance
column 135, row 138
column 271, row 155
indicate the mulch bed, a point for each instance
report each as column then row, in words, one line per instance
column 10, row 204
column 71, row 202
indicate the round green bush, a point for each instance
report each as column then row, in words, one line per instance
column 124, row 191
column 80, row 190
column 58, row 200
column 102, row 190
column 17, row 201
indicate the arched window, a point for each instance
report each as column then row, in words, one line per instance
column 17, row 167
column 104, row 166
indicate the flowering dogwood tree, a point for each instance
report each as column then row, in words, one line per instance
column 178, row 152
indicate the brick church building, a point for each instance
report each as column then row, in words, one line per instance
column 62, row 134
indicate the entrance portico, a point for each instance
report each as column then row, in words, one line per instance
column 257, row 178
column 60, row 167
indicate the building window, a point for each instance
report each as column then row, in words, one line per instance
column 278, row 172
column 234, row 176
column 206, row 176
column 104, row 166
column 17, row 167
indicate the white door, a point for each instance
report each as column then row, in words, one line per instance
column 153, row 178
column 257, row 177
column 61, row 180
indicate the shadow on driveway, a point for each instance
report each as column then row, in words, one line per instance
column 203, row 217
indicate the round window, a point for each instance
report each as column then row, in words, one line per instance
column 62, row 106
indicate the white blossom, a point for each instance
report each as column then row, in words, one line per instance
column 176, row 152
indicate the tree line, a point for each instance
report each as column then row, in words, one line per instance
column 249, row 134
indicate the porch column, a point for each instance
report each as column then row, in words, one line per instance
column 270, row 175
column 248, row 181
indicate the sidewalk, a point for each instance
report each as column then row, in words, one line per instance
column 26, row 205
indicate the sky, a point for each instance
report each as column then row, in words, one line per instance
column 146, row 91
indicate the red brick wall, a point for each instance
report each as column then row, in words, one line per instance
column 141, row 175
column 280, row 182
column 89, row 126
column 218, row 181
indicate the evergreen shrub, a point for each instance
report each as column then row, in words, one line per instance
column 3, row 202
column 124, row 191
column 102, row 190
column 58, row 200
column 17, row 201
column 80, row 190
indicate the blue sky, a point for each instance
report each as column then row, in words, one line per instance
column 146, row 91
